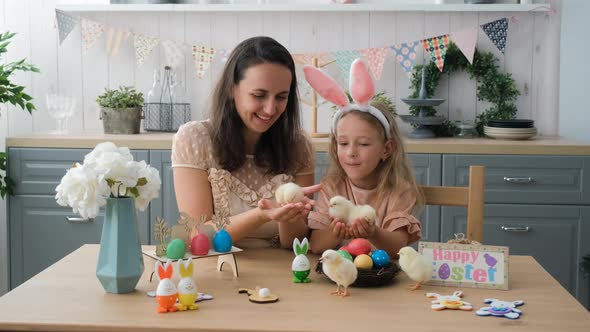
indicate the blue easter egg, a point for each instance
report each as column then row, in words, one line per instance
column 222, row 241
column 380, row 258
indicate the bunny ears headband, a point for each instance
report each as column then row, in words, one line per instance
column 362, row 90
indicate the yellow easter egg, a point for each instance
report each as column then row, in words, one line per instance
column 363, row 262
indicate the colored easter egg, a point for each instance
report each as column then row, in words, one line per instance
column 175, row 249
column 358, row 247
column 345, row 254
column 222, row 242
column 363, row 262
column 444, row 272
column 380, row 258
column 200, row 245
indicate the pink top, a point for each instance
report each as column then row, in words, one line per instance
column 393, row 213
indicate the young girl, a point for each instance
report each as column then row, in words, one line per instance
column 368, row 166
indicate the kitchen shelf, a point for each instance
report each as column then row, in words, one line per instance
column 360, row 7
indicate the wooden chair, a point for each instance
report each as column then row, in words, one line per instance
column 471, row 197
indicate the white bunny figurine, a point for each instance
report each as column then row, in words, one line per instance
column 166, row 293
column 187, row 289
column 300, row 266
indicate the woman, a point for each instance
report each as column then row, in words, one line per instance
column 232, row 164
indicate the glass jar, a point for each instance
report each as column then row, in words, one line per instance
column 466, row 130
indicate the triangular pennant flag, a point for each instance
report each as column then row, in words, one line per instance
column 144, row 45
column 91, row 31
column 224, row 54
column 173, row 52
column 437, row 48
column 497, row 31
column 344, row 59
column 202, row 56
column 304, row 58
column 465, row 41
column 375, row 58
column 405, row 55
column 65, row 24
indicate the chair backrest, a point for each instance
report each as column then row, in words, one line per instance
column 471, row 197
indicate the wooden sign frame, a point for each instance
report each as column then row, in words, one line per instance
column 467, row 265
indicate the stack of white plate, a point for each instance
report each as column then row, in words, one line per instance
column 510, row 133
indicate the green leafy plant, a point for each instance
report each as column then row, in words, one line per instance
column 492, row 86
column 124, row 97
column 379, row 97
column 14, row 94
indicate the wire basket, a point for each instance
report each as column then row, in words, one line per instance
column 165, row 116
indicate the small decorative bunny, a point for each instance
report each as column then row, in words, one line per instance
column 300, row 266
column 166, row 293
column 187, row 289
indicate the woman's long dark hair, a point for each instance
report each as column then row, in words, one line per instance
column 282, row 148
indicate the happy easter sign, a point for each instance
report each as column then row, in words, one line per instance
column 467, row 265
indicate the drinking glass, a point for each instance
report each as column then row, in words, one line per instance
column 61, row 108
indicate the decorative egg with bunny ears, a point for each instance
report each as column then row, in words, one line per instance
column 300, row 265
column 187, row 289
column 166, row 293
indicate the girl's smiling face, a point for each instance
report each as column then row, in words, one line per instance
column 360, row 146
column 261, row 96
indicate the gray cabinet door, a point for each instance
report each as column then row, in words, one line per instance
column 40, row 234
column 427, row 168
column 525, row 179
column 164, row 206
column 556, row 236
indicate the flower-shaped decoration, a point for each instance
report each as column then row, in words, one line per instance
column 107, row 171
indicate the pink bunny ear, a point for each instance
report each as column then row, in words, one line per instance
column 362, row 87
column 325, row 86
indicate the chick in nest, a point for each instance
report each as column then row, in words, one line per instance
column 345, row 210
column 341, row 270
column 416, row 266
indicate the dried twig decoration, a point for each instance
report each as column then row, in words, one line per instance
column 161, row 234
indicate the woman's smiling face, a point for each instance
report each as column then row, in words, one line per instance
column 261, row 96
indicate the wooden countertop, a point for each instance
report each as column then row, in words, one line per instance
column 538, row 146
column 68, row 297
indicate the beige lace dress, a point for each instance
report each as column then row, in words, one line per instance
column 233, row 192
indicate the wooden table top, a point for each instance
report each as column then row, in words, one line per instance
column 67, row 296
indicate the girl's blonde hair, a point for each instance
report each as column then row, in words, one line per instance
column 395, row 171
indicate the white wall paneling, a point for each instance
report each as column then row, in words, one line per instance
column 532, row 56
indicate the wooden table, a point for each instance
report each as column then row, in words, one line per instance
column 68, row 297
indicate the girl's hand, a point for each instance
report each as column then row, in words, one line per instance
column 289, row 213
column 361, row 228
column 339, row 229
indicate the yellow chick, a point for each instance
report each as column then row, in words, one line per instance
column 416, row 266
column 289, row 193
column 345, row 210
column 341, row 270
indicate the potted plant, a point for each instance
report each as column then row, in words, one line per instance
column 121, row 110
column 14, row 94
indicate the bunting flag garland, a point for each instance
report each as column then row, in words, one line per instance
column 375, row 58
column 65, row 24
column 304, row 58
column 144, row 45
column 437, row 48
column 90, row 31
column 173, row 52
column 405, row 55
column 202, row 56
column 497, row 32
column 465, row 41
column 344, row 59
column 224, row 54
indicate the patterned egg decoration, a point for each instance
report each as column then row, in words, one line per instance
column 345, row 254
column 175, row 249
column 380, row 258
column 444, row 272
column 222, row 242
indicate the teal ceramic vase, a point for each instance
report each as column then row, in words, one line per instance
column 120, row 263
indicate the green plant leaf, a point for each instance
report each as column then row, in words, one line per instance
column 141, row 181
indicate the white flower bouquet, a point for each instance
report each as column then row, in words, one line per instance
column 107, row 171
